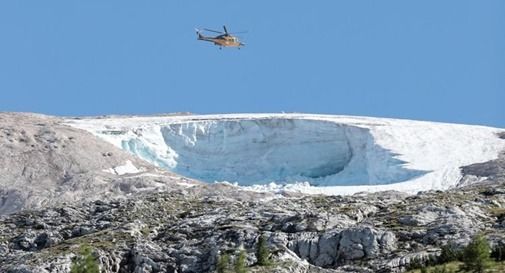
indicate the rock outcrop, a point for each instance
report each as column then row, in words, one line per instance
column 186, row 230
column 45, row 162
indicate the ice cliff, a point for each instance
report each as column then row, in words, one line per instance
column 329, row 154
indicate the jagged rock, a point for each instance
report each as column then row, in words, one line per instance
column 25, row 241
column 328, row 246
column 423, row 217
column 407, row 259
column 27, row 269
column 184, row 230
column 141, row 262
column 47, row 239
column 307, row 245
column 4, row 249
column 388, row 242
column 357, row 243
column 82, row 230
column 339, row 221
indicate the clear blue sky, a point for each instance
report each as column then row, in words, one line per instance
column 427, row 60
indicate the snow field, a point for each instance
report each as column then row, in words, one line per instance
column 307, row 153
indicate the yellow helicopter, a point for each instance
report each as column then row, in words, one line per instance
column 225, row 39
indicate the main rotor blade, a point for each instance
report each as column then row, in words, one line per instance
column 225, row 30
column 206, row 29
column 238, row 32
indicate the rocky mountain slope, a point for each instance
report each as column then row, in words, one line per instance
column 186, row 230
column 63, row 188
column 45, row 162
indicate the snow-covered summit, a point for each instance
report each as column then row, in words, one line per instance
column 312, row 153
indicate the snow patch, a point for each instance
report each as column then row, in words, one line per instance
column 127, row 168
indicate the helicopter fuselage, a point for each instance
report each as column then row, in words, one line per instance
column 222, row 40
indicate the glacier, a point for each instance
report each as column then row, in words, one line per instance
column 317, row 153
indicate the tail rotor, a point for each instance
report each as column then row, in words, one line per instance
column 199, row 34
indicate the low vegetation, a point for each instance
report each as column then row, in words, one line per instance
column 240, row 261
column 476, row 257
column 85, row 262
column 262, row 252
column 223, row 263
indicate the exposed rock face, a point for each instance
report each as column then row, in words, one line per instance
column 354, row 243
column 492, row 169
column 185, row 228
column 44, row 162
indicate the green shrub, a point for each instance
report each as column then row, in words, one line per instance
column 449, row 253
column 262, row 252
column 476, row 255
column 85, row 262
column 240, row 262
column 222, row 263
column 415, row 263
column 442, row 269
